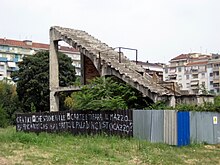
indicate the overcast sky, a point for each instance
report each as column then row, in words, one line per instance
column 159, row 29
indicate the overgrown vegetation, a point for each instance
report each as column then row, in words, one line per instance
column 105, row 94
column 30, row 148
column 207, row 106
column 9, row 103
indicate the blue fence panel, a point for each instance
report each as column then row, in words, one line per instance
column 183, row 128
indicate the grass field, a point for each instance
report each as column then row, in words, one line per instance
column 28, row 148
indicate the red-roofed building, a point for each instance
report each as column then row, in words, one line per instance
column 194, row 72
column 13, row 51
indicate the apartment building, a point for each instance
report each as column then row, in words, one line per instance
column 195, row 73
column 153, row 69
column 213, row 72
column 13, row 51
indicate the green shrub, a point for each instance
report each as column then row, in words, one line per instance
column 206, row 106
column 104, row 94
column 3, row 118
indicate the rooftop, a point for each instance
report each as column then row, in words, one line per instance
column 191, row 56
column 32, row 45
column 197, row 63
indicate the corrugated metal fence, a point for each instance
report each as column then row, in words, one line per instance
column 166, row 126
column 176, row 127
column 205, row 127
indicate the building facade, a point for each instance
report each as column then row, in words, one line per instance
column 13, row 51
column 195, row 73
column 153, row 69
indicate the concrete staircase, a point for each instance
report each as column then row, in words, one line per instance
column 107, row 59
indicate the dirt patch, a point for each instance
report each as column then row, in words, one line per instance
column 210, row 147
column 4, row 161
column 191, row 161
column 135, row 160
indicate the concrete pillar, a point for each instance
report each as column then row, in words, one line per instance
column 172, row 101
column 54, row 72
column 54, row 102
column 82, row 60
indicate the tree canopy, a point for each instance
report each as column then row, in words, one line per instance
column 32, row 79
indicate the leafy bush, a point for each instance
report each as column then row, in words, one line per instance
column 103, row 94
column 3, row 117
column 159, row 105
column 207, row 106
column 9, row 101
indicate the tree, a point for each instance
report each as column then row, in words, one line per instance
column 103, row 94
column 32, row 79
column 9, row 103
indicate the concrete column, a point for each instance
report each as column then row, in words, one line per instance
column 172, row 101
column 54, row 72
column 54, row 102
column 82, row 60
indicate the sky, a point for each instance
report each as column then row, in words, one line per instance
column 159, row 29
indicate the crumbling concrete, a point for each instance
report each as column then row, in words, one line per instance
column 105, row 61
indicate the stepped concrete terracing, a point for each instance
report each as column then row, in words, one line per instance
column 106, row 60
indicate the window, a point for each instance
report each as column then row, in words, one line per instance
column 216, row 65
column 172, row 70
column 210, row 74
column 179, row 69
column 202, row 68
column 187, row 85
column 180, row 85
column 195, row 75
column 203, row 75
column 203, row 83
column 166, row 70
column 187, row 77
column 187, row 69
column 211, row 82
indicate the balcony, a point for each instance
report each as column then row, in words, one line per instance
column 3, row 59
column 216, row 79
column 195, row 76
column 172, row 77
column 202, row 70
column 216, row 86
column 194, row 84
column 194, row 71
column 215, row 69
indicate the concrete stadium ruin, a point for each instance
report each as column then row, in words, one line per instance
column 98, row 59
